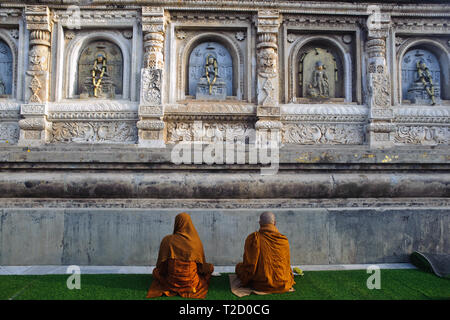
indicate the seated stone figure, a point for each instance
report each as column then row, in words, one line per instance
column 266, row 266
column 99, row 84
column 423, row 90
column 211, row 86
column 181, row 267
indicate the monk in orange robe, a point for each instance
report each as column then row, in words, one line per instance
column 266, row 266
column 181, row 267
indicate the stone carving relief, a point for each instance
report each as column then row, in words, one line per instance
column 100, row 70
column 94, row 132
column 14, row 33
column 38, row 58
column 421, row 77
column 320, row 73
column 320, row 22
column 9, row 132
column 151, row 81
column 379, row 90
column 180, row 34
column 230, row 18
column 35, row 86
column 323, row 133
column 410, row 24
column 267, row 70
column 209, row 131
column 96, row 17
column 210, row 72
column 6, row 70
column 240, row 35
column 422, row 135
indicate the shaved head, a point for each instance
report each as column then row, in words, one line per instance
column 267, row 217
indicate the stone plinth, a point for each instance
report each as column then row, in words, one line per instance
column 418, row 95
column 218, row 90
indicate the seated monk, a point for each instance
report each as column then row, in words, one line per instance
column 266, row 266
column 181, row 267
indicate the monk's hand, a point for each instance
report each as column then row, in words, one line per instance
column 298, row 271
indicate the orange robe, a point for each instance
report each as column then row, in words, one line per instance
column 181, row 267
column 266, row 266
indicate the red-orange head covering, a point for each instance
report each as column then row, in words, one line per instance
column 184, row 244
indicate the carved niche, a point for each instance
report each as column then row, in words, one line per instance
column 210, row 72
column 6, row 70
column 421, row 77
column 100, row 71
column 320, row 73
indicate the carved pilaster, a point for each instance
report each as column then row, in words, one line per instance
column 150, row 124
column 268, row 126
column 380, row 128
column 34, row 126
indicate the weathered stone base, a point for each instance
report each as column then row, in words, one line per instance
column 61, row 234
column 105, row 205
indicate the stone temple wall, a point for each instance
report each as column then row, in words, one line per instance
column 117, row 115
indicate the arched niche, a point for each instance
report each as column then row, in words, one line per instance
column 211, row 56
column 231, row 49
column 6, row 70
column 419, row 61
column 110, row 43
column 100, row 56
column 320, row 69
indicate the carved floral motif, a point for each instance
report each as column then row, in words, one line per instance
column 379, row 85
column 422, row 135
column 240, row 35
column 151, row 84
column 323, row 134
column 9, row 132
column 208, row 131
column 35, row 87
column 94, row 132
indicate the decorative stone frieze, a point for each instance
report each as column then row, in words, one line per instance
column 210, row 131
column 267, row 60
column 421, row 135
column 310, row 133
column 123, row 132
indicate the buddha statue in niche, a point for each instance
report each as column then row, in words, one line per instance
column 100, row 71
column 319, row 87
column 210, row 72
column 423, row 82
column 421, row 77
column 211, row 86
column 320, row 72
column 99, row 84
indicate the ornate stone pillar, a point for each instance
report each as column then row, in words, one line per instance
column 268, row 127
column 150, row 124
column 35, row 129
column 381, row 127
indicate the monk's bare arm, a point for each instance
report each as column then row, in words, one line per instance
column 247, row 269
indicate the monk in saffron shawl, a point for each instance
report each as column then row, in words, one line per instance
column 181, row 267
column 266, row 266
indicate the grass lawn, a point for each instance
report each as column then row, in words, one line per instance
column 314, row 285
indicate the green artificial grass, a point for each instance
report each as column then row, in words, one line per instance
column 314, row 285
